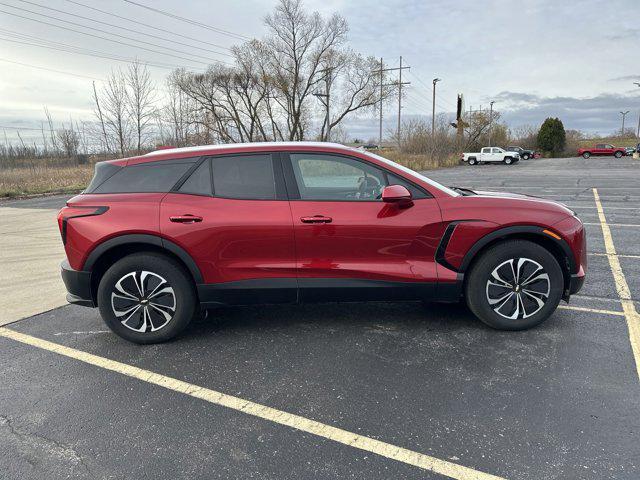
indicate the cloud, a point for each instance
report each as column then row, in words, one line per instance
column 626, row 78
column 597, row 114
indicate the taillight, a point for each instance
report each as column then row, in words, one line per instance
column 70, row 212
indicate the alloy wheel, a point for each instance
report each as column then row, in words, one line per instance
column 143, row 301
column 518, row 288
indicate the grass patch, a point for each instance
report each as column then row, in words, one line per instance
column 419, row 162
column 39, row 179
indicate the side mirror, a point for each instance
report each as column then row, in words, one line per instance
column 397, row 194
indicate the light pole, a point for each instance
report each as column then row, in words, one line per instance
column 433, row 109
column 638, row 132
column 490, row 120
column 624, row 114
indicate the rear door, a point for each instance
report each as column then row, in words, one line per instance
column 485, row 154
column 232, row 216
column 350, row 244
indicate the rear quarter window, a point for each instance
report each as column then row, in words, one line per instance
column 103, row 171
column 146, row 177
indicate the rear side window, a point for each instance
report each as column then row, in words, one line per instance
column 199, row 182
column 248, row 177
column 103, row 171
column 147, row 177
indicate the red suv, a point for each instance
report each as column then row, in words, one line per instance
column 159, row 238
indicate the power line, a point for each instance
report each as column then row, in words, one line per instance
column 164, row 39
column 147, row 25
column 192, row 22
column 110, row 39
column 97, row 54
column 21, row 128
column 51, row 70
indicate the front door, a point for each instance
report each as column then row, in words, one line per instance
column 349, row 243
column 233, row 218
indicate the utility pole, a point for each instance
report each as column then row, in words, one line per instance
column 400, row 83
column 624, row 114
column 324, row 98
column 433, row 107
column 638, row 132
column 490, row 120
column 381, row 80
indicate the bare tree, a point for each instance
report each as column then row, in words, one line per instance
column 115, row 113
column 100, row 117
column 351, row 86
column 140, row 96
column 69, row 141
column 296, row 45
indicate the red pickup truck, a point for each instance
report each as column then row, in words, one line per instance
column 602, row 149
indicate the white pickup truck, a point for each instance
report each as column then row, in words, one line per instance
column 491, row 154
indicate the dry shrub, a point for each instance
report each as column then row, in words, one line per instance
column 44, row 179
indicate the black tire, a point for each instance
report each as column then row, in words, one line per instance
column 508, row 160
column 617, row 154
column 526, row 156
column 586, row 154
column 147, row 324
column 481, row 285
column 473, row 161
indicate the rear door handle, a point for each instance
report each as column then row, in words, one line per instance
column 316, row 219
column 185, row 219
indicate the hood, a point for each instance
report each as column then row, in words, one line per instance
column 529, row 198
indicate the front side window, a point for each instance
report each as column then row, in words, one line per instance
column 247, row 177
column 150, row 177
column 337, row 178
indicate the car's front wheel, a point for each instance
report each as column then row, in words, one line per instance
column 508, row 160
column 617, row 154
column 147, row 298
column 514, row 285
column 525, row 156
column 586, row 155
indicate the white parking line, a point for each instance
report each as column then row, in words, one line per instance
column 622, row 287
column 297, row 422
column 598, row 254
column 614, row 224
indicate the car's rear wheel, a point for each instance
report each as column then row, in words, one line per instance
column 473, row 161
column 514, row 285
column 508, row 160
column 147, row 298
column 617, row 154
column 586, row 155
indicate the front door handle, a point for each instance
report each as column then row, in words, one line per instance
column 316, row 219
column 185, row 219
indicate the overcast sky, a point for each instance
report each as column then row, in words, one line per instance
column 573, row 59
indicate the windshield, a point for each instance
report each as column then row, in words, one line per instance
column 433, row 183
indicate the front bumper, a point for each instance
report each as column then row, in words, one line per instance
column 78, row 285
column 576, row 282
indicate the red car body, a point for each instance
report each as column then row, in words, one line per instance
column 288, row 249
column 602, row 149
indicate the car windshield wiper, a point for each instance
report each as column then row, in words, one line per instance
column 464, row 191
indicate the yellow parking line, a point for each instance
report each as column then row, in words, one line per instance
column 622, row 287
column 393, row 452
column 591, row 310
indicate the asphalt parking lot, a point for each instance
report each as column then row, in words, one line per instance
column 366, row 391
